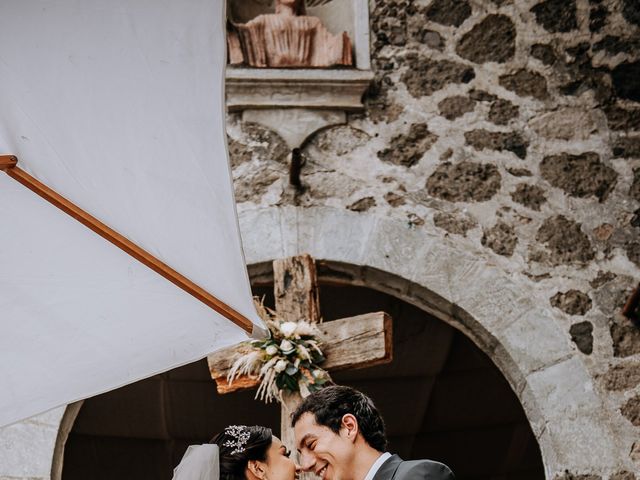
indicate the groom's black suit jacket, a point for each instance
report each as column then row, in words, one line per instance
column 395, row 468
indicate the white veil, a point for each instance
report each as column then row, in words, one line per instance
column 200, row 462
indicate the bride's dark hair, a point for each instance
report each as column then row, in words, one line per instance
column 233, row 465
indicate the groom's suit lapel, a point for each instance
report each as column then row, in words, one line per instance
column 388, row 469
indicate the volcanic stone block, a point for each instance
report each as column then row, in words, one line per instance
column 598, row 17
column 481, row 95
column 602, row 278
column 526, row 84
column 464, row 182
column 456, row 106
column 625, row 336
column 622, row 377
column 380, row 107
column 633, row 252
column 634, row 191
column 491, row 40
column 623, row 475
column 530, row 196
column 502, row 111
column 428, row 37
column 363, row 204
column 565, row 241
column 582, row 335
column 510, row 141
column 573, row 302
column 626, row 80
column 627, row 147
column 449, row 12
column 407, row 150
column 455, row 224
column 252, row 186
column 239, row 153
column 634, row 455
column 623, row 118
column 556, row 15
column 614, row 45
column 520, row 172
column 394, row 199
column 568, row 123
column 631, row 410
column 501, row 238
column 567, row 475
column 425, row 76
column 635, row 220
column 265, row 143
column 579, row 175
column 631, row 11
column 545, row 53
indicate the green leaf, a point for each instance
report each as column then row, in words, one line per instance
column 290, row 384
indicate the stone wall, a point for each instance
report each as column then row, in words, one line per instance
column 512, row 130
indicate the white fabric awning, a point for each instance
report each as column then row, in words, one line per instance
column 118, row 106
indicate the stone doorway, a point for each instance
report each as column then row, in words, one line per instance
column 442, row 398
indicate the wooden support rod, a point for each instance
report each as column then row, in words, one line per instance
column 8, row 164
column 7, row 161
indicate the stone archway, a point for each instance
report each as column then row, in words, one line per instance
column 502, row 314
column 140, row 431
column 68, row 418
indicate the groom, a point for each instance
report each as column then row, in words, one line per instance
column 340, row 436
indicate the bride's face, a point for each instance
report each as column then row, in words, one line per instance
column 278, row 464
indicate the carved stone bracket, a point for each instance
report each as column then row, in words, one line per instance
column 295, row 103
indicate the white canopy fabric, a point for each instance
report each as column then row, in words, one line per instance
column 118, row 106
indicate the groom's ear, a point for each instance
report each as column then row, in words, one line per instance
column 350, row 425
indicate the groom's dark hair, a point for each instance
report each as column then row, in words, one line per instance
column 330, row 404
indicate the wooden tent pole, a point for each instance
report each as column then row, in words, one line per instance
column 8, row 163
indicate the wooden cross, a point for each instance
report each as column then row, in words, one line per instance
column 348, row 343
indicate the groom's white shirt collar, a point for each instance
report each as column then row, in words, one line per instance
column 376, row 465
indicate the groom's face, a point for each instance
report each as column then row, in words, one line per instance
column 322, row 451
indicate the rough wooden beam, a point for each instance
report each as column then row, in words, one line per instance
column 357, row 342
column 295, row 286
column 354, row 342
column 296, row 289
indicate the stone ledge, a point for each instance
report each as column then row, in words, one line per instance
column 251, row 88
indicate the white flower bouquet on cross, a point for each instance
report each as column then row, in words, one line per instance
column 288, row 360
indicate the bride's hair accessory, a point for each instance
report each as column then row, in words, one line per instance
column 240, row 435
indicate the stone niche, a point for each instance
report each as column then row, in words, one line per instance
column 296, row 102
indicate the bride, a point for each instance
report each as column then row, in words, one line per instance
column 238, row 453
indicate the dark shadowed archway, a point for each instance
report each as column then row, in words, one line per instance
column 442, row 398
